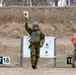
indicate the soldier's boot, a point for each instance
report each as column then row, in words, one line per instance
column 73, row 63
column 33, row 63
column 33, row 66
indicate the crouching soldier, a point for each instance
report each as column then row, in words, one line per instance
column 36, row 41
column 74, row 53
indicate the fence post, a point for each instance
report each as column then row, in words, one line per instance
column 21, row 51
column 54, row 52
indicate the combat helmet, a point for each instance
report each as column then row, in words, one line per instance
column 35, row 24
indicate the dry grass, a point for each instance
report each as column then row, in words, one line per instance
column 40, row 14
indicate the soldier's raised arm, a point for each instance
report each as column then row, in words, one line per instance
column 29, row 30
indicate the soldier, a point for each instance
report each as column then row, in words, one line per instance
column 74, row 53
column 36, row 41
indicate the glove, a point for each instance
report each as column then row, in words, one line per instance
column 41, row 45
column 26, row 20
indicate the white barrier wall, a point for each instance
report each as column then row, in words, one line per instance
column 47, row 51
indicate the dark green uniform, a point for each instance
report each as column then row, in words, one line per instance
column 74, row 57
column 36, row 40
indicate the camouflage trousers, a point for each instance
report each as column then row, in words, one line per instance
column 34, row 52
column 74, row 55
column 74, row 47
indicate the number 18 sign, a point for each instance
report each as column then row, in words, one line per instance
column 5, row 60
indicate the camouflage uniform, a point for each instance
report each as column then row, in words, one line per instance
column 74, row 56
column 74, row 52
column 35, row 43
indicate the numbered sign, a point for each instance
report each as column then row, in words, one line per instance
column 6, row 60
column 69, row 60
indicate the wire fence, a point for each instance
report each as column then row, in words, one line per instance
column 37, row 3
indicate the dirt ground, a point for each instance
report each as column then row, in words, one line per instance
column 40, row 71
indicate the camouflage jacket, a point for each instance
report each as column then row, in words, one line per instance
column 42, row 36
